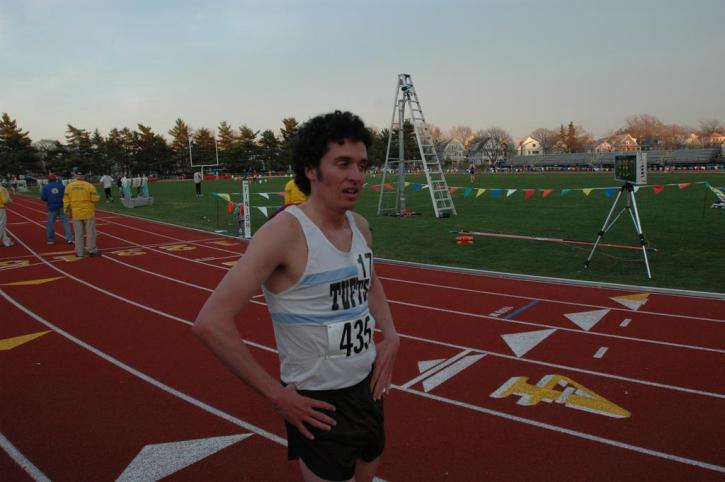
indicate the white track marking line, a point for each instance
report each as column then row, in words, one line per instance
column 252, row 428
column 571, row 303
column 34, row 472
column 436, row 368
column 625, row 322
column 558, row 328
column 567, row 431
column 475, row 315
column 412, row 337
column 158, row 384
column 600, row 353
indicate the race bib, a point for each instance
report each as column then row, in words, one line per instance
column 350, row 338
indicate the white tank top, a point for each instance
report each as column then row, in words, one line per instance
column 322, row 324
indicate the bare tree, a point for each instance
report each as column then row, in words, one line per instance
column 494, row 143
column 463, row 133
column 709, row 127
column 547, row 138
column 643, row 126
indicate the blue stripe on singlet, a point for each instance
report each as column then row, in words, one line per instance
column 328, row 276
column 319, row 319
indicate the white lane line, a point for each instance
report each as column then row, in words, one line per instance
column 570, row 303
column 567, row 431
column 158, row 384
column 625, row 322
column 449, row 372
column 436, row 368
column 412, row 337
column 34, row 472
column 572, row 330
column 600, row 353
column 281, row 441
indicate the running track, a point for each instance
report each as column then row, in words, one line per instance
column 497, row 378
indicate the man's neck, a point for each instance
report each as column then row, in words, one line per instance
column 323, row 216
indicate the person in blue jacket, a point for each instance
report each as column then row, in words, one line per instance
column 52, row 194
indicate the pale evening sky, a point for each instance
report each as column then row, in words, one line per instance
column 517, row 64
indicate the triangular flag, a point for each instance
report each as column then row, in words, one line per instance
column 546, row 192
column 230, row 207
column 587, row 191
column 428, row 364
column 406, row 184
column 683, row 185
column 636, row 188
column 10, row 343
column 467, row 192
column 495, row 193
column 263, row 210
column 264, row 195
column 564, row 192
column 388, row 186
column 375, row 188
column 521, row 343
column 281, row 193
column 658, row 188
column 479, row 192
column 633, row 302
column 155, row 462
column 453, row 189
column 528, row 193
column 425, row 186
column 509, row 192
column 587, row 319
column 416, row 186
column 609, row 191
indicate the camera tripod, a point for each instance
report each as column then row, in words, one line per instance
column 630, row 206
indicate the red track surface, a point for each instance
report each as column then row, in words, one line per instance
column 120, row 370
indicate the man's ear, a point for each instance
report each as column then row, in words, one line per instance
column 311, row 173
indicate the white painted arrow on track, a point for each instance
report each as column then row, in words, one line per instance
column 587, row 319
column 521, row 343
column 155, row 462
column 633, row 302
column 428, row 364
column 431, row 382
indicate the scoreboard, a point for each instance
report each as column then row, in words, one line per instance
column 631, row 168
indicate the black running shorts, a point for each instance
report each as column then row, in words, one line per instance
column 359, row 433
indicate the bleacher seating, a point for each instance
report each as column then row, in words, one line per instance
column 661, row 158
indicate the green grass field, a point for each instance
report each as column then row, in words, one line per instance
column 688, row 235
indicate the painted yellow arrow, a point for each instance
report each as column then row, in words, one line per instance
column 32, row 282
column 10, row 343
column 224, row 243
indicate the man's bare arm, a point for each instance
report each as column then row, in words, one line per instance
column 216, row 327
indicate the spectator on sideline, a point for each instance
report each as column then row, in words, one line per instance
column 52, row 195
column 314, row 264
column 107, row 182
column 197, row 183
column 79, row 201
column 293, row 194
column 4, row 201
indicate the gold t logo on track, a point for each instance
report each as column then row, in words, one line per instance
column 178, row 247
column 129, row 252
column 573, row 395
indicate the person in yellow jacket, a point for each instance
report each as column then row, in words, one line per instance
column 4, row 201
column 293, row 194
column 79, row 202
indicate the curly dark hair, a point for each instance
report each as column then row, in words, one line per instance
column 313, row 138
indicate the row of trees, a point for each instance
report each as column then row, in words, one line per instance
column 144, row 151
column 243, row 149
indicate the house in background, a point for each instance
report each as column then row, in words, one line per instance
column 603, row 146
column 453, row 152
column 623, row 142
column 529, row 147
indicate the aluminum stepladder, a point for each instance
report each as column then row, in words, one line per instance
column 392, row 201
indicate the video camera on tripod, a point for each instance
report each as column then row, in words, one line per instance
column 632, row 170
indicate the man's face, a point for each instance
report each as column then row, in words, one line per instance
column 338, row 181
